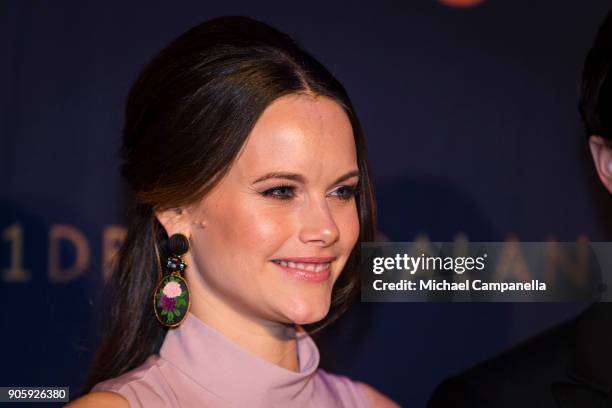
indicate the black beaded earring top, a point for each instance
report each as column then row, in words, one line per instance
column 178, row 244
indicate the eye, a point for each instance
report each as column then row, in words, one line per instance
column 279, row 192
column 285, row 192
column 347, row 192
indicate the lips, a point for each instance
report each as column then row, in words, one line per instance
column 308, row 259
column 305, row 266
column 307, row 269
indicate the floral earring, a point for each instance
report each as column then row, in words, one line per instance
column 172, row 300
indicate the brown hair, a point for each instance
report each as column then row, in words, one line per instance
column 595, row 104
column 187, row 116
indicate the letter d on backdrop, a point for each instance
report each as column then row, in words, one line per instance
column 81, row 246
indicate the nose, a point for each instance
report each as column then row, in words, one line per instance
column 318, row 224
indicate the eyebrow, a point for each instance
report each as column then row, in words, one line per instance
column 300, row 178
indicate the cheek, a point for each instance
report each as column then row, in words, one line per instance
column 252, row 229
column 234, row 248
column 348, row 223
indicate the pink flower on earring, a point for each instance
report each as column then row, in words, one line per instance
column 172, row 290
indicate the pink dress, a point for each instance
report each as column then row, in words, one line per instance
column 199, row 367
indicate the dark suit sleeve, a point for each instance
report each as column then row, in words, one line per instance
column 519, row 377
column 455, row 392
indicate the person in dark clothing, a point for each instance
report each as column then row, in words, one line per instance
column 569, row 365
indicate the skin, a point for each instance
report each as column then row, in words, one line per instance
column 602, row 158
column 236, row 230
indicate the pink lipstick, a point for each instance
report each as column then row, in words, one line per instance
column 308, row 269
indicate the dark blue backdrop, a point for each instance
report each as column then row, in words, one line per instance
column 472, row 128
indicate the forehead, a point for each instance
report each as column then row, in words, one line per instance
column 300, row 132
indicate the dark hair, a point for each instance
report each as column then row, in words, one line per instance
column 595, row 104
column 187, row 116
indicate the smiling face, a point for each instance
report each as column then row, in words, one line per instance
column 289, row 194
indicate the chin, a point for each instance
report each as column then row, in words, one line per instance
column 304, row 312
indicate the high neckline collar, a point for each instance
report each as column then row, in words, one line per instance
column 233, row 373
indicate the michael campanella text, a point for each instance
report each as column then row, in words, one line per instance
column 468, row 284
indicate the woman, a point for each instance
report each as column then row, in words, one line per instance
column 251, row 193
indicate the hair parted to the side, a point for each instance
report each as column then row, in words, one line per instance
column 188, row 114
column 595, row 104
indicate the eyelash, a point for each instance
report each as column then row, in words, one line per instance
column 351, row 192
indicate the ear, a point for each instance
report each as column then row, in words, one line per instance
column 174, row 221
column 602, row 158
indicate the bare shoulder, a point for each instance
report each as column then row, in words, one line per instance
column 100, row 399
column 377, row 399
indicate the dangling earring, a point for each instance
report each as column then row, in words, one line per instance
column 171, row 300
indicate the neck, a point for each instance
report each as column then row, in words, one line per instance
column 273, row 341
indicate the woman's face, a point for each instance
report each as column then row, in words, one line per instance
column 289, row 194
